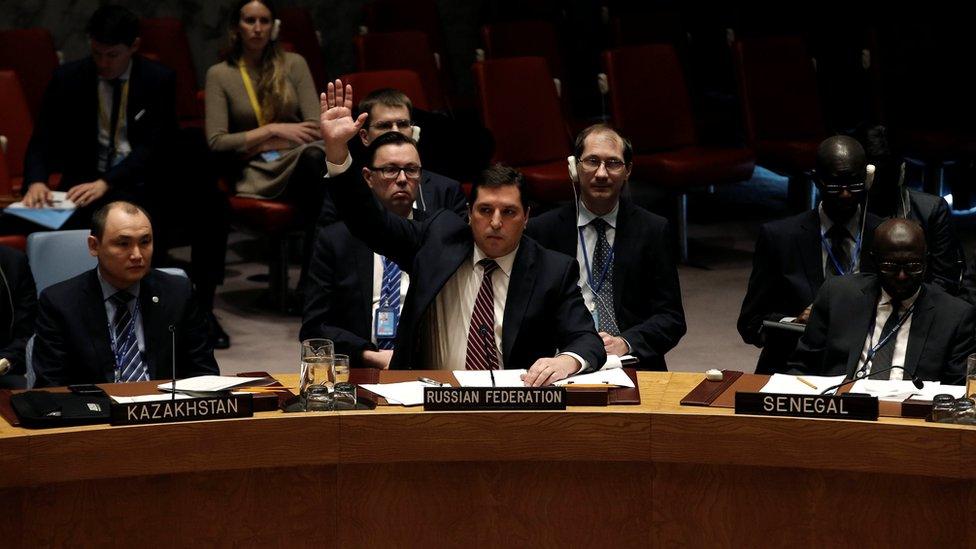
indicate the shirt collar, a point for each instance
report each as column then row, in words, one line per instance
column 108, row 290
column 853, row 224
column 505, row 262
column 886, row 299
column 586, row 216
column 123, row 77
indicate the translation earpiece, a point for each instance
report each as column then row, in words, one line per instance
column 869, row 178
column 275, row 29
column 571, row 165
column 416, row 133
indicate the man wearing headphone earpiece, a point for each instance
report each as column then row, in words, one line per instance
column 795, row 255
column 628, row 274
column 18, row 307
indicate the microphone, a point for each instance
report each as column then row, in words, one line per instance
column 172, row 334
column 489, row 344
column 861, row 375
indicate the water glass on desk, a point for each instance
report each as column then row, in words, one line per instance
column 341, row 369
column 317, row 373
column 971, row 375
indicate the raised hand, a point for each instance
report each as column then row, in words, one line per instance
column 337, row 123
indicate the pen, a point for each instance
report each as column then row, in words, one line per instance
column 807, row 383
column 492, row 374
column 429, row 381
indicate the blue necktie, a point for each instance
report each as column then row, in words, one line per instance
column 128, row 360
column 389, row 296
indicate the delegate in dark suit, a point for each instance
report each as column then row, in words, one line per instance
column 18, row 307
column 544, row 311
column 787, row 272
column 942, row 334
column 646, row 292
column 65, row 137
column 73, row 344
column 946, row 258
column 436, row 192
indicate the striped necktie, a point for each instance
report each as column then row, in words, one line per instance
column 129, row 365
column 389, row 297
column 482, row 353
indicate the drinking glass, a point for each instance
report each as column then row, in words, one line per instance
column 316, row 374
column 341, row 369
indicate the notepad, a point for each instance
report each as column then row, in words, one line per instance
column 790, row 385
column 482, row 378
column 406, row 393
column 204, row 384
column 615, row 377
column 148, row 398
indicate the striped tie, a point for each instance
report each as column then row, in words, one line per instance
column 128, row 360
column 389, row 297
column 482, row 353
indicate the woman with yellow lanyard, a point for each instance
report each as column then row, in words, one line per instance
column 261, row 106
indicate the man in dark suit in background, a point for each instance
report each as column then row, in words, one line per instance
column 113, row 323
column 349, row 286
column 795, row 255
column 481, row 296
column 389, row 110
column 18, row 307
column 627, row 272
column 864, row 325
column 108, row 125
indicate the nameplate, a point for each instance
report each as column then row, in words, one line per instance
column 457, row 399
column 814, row 406
column 187, row 409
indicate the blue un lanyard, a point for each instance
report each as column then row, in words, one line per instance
column 589, row 272
column 833, row 258
column 130, row 335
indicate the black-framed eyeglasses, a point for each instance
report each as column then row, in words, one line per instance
column 390, row 173
column 892, row 268
column 390, row 125
column 613, row 165
column 852, row 188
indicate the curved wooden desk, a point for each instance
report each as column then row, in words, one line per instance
column 643, row 475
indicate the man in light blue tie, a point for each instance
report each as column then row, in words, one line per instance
column 116, row 323
column 354, row 296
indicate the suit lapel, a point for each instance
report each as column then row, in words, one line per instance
column 154, row 329
column 97, row 324
column 808, row 245
column 624, row 247
column 520, row 286
column 863, row 312
column 922, row 319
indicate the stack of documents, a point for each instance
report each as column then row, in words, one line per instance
column 406, row 393
column 897, row 391
column 482, row 378
column 207, row 384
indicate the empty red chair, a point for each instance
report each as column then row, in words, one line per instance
column 518, row 104
column 523, row 39
column 15, row 124
column 651, row 106
column 298, row 29
column 7, row 197
column 164, row 40
column 398, row 15
column 32, row 55
column 409, row 50
column 278, row 221
column 408, row 82
column 780, row 106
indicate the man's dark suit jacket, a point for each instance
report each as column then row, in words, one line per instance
column 646, row 293
column 65, row 137
column 544, row 311
column 436, row 192
column 942, row 334
column 73, row 344
column 339, row 291
column 17, row 290
column 787, row 272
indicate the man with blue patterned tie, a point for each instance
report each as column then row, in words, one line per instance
column 116, row 322
column 354, row 296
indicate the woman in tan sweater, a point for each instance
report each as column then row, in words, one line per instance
column 262, row 108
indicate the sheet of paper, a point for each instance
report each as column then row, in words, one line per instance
column 897, row 391
column 147, row 398
column 51, row 217
column 207, row 383
column 482, row 378
column 407, row 393
column 787, row 384
column 611, row 377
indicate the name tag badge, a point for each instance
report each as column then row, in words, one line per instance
column 270, row 156
column 386, row 322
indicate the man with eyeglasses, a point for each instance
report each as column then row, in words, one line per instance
column 891, row 325
column 481, row 296
column 389, row 110
column 795, row 255
column 628, row 274
column 354, row 296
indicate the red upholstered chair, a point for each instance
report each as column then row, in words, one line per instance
column 15, row 124
column 651, row 106
column 6, row 196
column 32, row 55
column 408, row 50
column 164, row 39
column 781, row 106
column 521, row 39
column 397, row 15
column 298, row 28
column 406, row 81
column 278, row 221
column 519, row 107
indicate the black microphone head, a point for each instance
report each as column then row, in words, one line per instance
column 917, row 383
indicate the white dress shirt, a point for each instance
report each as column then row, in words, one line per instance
column 883, row 311
column 853, row 229
column 122, row 146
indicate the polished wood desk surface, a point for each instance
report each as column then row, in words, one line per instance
column 659, row 429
